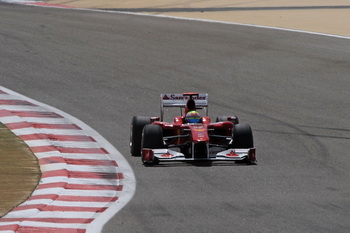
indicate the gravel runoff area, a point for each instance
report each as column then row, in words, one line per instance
column 19, row 171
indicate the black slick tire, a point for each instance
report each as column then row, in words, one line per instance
column 152, row 138
column 225, row 118
column 242, row 136
column 137, row 125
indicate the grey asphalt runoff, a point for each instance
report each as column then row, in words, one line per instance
column 291, row 87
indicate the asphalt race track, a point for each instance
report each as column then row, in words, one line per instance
column 291, row 87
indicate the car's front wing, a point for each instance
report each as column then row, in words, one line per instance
column 158, row 155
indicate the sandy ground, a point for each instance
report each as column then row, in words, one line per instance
column 19, row 171
column 323, row 16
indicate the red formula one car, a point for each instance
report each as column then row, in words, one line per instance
column 190, row 137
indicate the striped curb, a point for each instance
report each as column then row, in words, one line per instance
column 85, row 180
column 38, row 3
column 45, row 4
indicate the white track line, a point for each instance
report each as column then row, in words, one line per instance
column 52, row 214
column 223, row 22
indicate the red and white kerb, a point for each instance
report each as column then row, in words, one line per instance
column 85, row 180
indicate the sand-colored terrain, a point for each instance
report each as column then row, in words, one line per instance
column 19, row 171
column 323, row 16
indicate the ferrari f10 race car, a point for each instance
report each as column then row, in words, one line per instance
column 190, row 137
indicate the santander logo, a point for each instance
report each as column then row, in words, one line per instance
column 232, row 154
column 181, row 97
column 167, row 155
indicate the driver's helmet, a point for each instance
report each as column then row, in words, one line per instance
column 192, row 117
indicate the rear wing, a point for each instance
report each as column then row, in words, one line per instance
column 170, row 100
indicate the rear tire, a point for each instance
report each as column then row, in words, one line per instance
column 137, row 125
column 225, row 118
column 242, row 136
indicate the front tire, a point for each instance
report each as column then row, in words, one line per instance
column 152, row 138
column 242, row 136
column 137, row 125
